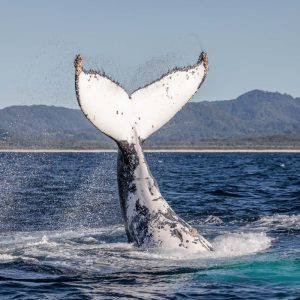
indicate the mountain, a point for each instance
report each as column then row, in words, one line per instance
column 253, row 114
column 255, row 119
column 40, row 126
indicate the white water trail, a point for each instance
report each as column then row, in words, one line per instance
column 87, row 247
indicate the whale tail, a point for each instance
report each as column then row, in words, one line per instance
column 120, row 115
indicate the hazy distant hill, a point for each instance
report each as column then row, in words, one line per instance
column 255, row 119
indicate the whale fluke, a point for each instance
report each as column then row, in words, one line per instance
column 129, row 120
column 117, row 114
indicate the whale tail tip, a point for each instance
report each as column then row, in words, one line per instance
column 78, row 64
column 119, row 114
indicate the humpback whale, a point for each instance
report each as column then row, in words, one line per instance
column 129, row 119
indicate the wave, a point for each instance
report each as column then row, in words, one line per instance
column 220, row 192
column 279, row 221
column 276, row 221
column 213, row 220
column 6, row 257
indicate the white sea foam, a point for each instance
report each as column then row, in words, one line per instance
column 226, row 245
column 9, row 257
column 6, row 257
column 43, row 241
column 89, row 239
column 73, row 249
column 279, row 221
column 213, row 220
column 238, row 244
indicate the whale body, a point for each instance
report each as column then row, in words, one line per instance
column 129, row 119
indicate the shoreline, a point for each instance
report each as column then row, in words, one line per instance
column 152, row 150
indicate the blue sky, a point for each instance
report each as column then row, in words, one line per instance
column 251, row 44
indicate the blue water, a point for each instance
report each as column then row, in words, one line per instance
column 62, row 235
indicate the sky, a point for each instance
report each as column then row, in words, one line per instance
column 251, row 45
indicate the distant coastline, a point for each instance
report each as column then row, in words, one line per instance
column 255, row 121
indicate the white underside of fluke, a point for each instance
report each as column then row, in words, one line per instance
column 117, row 114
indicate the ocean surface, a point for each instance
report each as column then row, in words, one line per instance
column 62, row 235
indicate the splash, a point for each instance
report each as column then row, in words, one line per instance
column 239, row 244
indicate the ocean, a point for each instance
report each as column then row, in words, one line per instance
column 62, row 235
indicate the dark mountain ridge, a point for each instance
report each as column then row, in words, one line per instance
column 255, row 119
